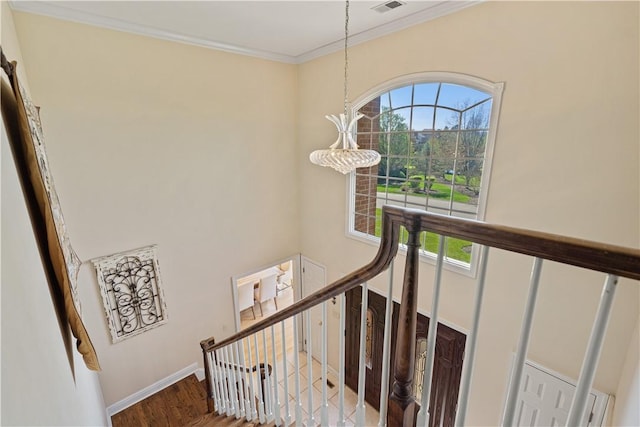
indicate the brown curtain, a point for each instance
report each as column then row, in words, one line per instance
column 59, row 260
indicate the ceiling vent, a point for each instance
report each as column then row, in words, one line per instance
column 387, row 6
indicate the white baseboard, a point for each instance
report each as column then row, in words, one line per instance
column 199, row 374
column 154, row 388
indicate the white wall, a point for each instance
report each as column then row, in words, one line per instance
column 42, row 384
column 158, row 142
column 566, row 161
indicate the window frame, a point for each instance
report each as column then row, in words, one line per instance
column 495, row 90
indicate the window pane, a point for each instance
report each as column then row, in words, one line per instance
column 401, row 97
column 458, row 249
column 447, row 119
column 422, row 118
column 456, row 96
column 477, row 117
column 425, row 93
column 401, row 118
column 472, row 144
column 385, row 101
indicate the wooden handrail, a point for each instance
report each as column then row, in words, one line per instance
column 382, row 260
column 611, row 259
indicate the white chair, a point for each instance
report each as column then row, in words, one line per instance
column 246, row 298
column 268, row 290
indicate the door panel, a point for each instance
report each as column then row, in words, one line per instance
column 352, row 348
column 447, row 364
column 545, row 400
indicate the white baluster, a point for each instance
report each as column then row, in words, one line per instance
column 518, row 363
column 310, row 421
column 214, row 382
column 324, row 412
column 591, row 357
column 227, row 383
column 252, row 393
column 240, row 378
column 261, row 414
column 423, row 413
column 285, row 382
column 233, row 379
column 360, row 407
column 276, row 394
column 297, row 373
column 341, row 418
column 221, row 381
column 386, row 352
column 245, row 381
column 470, row 351
column 268, row 400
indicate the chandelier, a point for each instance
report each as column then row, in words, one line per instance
column 344, row 155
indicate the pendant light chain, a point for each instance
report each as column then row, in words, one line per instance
column 346, row 56
column 344, row 155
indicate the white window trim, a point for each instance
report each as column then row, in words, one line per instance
column 495, row 89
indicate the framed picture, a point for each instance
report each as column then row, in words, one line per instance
column 131, row 292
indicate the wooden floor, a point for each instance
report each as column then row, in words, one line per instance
column 182, row 404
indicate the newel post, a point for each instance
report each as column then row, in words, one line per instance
column 204, row 344
column 402, row 405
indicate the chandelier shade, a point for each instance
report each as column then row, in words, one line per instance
column 347, row 157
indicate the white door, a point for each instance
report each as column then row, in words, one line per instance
column 545, row 400
column 313, row 279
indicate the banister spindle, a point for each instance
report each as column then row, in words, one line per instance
column 268, row 400
column 252, row 392
column 233, row 378
column 324, row 412
column 523, row 345
column 287, row 412
column 386, row 352
column 296, row 362
column 246, row 375
column 311, row 420
column 239, row 379
column 341, row 367
column 402, row 405
column 276, row 394
column 592, row 355
column 261, row 411
column 470, row 351
column 362, row 369
column 432, row 335
column 218, row 382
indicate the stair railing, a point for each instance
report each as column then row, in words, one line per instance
column 243, row 394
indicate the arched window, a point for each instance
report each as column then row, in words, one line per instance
column 435, row 134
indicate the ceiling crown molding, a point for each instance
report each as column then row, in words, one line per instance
column 439, row 9
column 55, row 10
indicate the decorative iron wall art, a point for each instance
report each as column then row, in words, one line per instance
column 131, row 292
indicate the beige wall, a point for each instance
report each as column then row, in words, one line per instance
column 153, row 142
column 42, row 385
column 566, row 161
